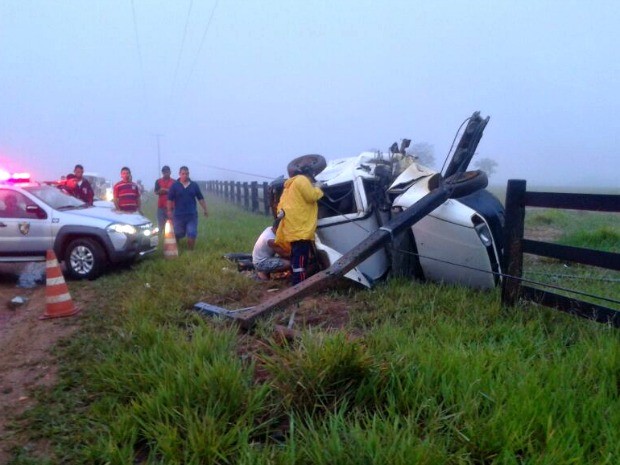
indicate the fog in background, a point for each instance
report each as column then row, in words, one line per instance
column 248, row 85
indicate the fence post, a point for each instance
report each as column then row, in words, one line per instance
column 238, row 185
column 254, row 191
column 246, row 196
column 266, row 204
column 230, row 191
column 513, row 236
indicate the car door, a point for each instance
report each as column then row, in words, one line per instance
column 346, row 218
column 25, row 228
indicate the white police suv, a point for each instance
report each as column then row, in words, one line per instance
column 36, row 217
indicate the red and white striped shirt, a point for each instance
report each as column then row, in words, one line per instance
column 127, row 195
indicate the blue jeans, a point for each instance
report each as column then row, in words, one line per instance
column 186, row 225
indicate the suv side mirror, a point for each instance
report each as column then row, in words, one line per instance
column 37, row 211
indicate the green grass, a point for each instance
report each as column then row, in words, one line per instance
column 423, row 373
column 606, row 238
column 583, row 229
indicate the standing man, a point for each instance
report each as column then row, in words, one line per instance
column 182, row 198
column 162, row 186
column 126, row 193
column 298, row 210
column 83, row 190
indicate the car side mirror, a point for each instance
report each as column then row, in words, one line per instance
column 37, row 211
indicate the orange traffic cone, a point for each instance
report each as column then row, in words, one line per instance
column 58, row 301
column 170, row 242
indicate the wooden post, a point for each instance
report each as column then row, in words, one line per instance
column 246, row 196
column 238, row 202
column 513, row 237
column 266, row 204
column 254, row 191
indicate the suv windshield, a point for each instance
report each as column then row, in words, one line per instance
column 54, row 197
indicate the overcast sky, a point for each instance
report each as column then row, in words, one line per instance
column 249, row 85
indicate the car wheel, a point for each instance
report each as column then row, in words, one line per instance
column 466, row 183
column 308, row 164
column 84, row 259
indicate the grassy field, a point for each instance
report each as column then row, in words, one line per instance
column 590, row 230
column 420, row 373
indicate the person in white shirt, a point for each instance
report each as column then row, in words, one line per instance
column 267, row 257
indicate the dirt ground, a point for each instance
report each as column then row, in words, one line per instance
column 26, row 361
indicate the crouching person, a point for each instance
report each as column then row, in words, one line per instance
column 269, row 257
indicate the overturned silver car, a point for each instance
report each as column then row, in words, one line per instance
column 459, row 242
column 384, row 214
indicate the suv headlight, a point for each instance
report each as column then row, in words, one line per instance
column 484, row 234
column 122, row 228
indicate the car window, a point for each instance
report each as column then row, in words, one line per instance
column 337, row 200
column 13, row 205
column 54, row 197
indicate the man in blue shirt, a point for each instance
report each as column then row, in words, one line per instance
column 182, row 198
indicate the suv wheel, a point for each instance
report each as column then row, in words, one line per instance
column 466, row 183
column 84, row 259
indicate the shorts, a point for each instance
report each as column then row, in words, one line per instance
column 186, row 225
column 269, row 265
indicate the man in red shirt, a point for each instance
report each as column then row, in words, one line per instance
column 126, row 193
column 162, row 186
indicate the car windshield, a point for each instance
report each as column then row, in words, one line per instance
column 55, row 198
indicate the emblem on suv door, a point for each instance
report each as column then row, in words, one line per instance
column 24, row 228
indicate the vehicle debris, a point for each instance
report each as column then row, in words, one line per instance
column 16, row 302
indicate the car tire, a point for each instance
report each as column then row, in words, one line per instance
column 308, row 164
column 84, row 259
column 466, row 183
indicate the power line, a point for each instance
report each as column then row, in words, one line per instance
column 236, row 171
column 176, row 69
column 202, row 41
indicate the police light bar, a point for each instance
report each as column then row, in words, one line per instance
column 15, row 177
column 21, row 177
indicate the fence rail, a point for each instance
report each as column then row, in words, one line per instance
column 251, row 196
column 517, row 198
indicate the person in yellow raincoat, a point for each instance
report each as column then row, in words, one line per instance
column 298, row 211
